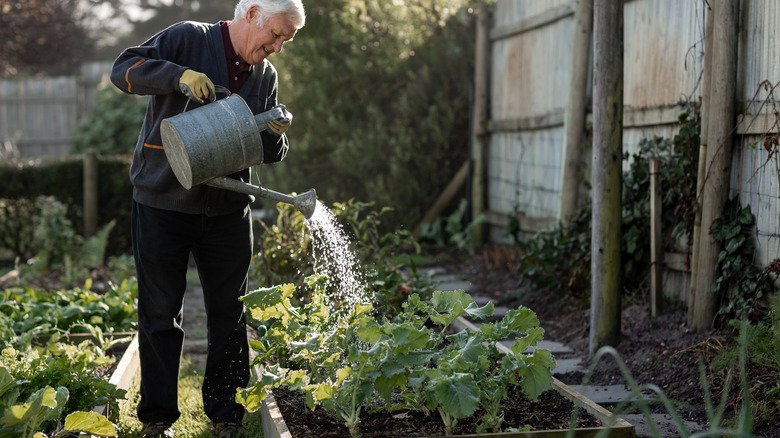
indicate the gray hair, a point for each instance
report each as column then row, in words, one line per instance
column 270, row 8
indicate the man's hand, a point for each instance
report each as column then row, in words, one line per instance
column 279, row 126
column 197, row 86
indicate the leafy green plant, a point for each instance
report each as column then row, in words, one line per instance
column 28, row 313
column 60, row 248
column 47, row 404
column 342, row 364
column 52, row 378
column 741, row 284
column 451, row 229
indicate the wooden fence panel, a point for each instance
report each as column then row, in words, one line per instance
column 39, row 115
column 663, row 62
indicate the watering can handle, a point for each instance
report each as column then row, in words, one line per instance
column 221, row 89
column 217, row 89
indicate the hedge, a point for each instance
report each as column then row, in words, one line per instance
column 62, row 178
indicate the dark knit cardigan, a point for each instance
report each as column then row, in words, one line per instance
column 154, row 69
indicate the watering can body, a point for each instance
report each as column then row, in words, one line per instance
column 206, row 144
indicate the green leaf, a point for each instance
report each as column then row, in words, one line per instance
column 453, row 302
column 321, row 392
column 519, row 320
column 476, row 312
column 7, row 382
column 537, row 377
column 89, row 422
column 457, row 395
column 252, row 397
column 297, row 379
column 534, row 335
column 409, row 338
column 312, row 344
column 473, row 349
column 385, row 385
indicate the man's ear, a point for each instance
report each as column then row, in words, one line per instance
column 252, row 13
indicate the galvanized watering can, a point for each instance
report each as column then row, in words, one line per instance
column 208, row 143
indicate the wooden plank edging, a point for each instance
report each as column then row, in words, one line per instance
column 125, row 374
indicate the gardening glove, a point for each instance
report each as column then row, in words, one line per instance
column 279, row 126
column 197, row 86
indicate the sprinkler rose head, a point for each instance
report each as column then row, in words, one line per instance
column 306, row 203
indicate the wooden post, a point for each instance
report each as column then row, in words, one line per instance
column 90, row 192
column 606, row 262
column 656, row 240
column 721, row 121
column 576, row 107
column 702, row 167
column 479, row 128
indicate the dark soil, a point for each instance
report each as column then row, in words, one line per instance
column 551, row 412
column 662, row 351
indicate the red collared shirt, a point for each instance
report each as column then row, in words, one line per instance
column 238, row 69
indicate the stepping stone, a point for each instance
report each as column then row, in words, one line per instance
column 565, row 366
column 454, row 285
column 666, row 427
column 603, row 394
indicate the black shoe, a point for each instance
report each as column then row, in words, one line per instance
column 159, row 429
column 229, row 429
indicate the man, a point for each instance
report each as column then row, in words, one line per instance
column 179, row 68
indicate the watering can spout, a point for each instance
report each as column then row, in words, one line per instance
column 306, row 203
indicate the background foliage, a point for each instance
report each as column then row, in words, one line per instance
column 380, row 93
column 113, row 127
column 63, row 179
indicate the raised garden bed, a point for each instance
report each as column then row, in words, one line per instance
column 126, row 373
column 275, row 426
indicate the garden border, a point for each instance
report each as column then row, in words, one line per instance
column 125, row 374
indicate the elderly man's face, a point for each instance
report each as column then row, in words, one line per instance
column 261, row 42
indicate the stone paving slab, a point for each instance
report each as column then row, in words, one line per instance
column 454, row 285
column 666, row 427
column 604, row 395
column 565, row 366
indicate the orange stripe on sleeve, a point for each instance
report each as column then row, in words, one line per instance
column 152, row 146
column 127, row 74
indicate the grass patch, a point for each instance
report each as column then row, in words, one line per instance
column 193, row 422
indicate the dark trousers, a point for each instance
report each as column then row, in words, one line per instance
column 222, row 249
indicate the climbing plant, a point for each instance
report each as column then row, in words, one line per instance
column 558, row 258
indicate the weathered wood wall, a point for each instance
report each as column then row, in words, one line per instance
column 530, row 52
column 39, row 115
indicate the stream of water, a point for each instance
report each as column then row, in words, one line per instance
column 333, row 255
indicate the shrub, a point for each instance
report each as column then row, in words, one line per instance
column 385, row 105
column 62, row 179
column 113, row 126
